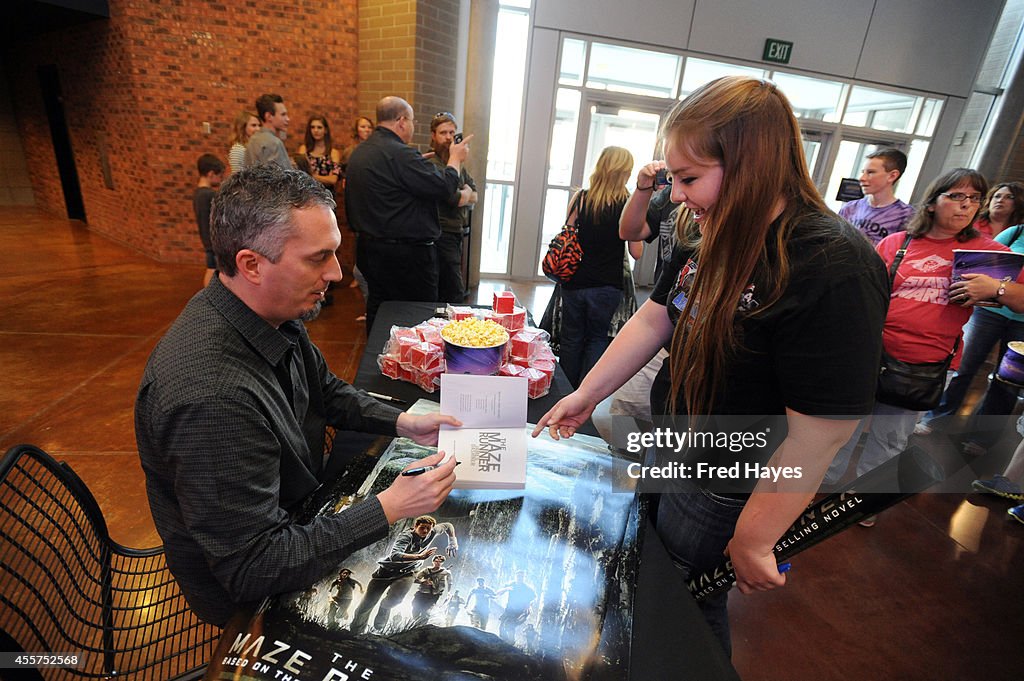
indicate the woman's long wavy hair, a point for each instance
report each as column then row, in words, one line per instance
column 311, row 143
column 924, row 216
column 747, row 126
column 238, row 126
column 355, row 127
column 608, row 181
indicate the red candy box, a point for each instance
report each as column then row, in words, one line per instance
column 539, row 382
column 524, row 342
column 458, row 312
column 513, row 321
column 426, row 380
column 429, row 333
column 511, row 370
column 389, row 366
column 504, row 302
column 545, row 365
column 405, row 346
column 426, row 356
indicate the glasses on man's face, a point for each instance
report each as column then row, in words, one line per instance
column 960, row 196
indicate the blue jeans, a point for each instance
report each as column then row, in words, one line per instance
column 695, row 526
column 983, row 331
column 889, row 429
column 583, row 336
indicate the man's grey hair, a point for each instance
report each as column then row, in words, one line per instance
column 253, row 210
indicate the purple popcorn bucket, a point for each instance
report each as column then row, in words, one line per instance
column 1011, row 368
column 460, row 359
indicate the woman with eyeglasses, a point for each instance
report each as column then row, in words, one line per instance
column 1004, row 207
column 924, row 322
column 988, row 327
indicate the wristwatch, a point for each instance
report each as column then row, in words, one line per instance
column 1002, row 287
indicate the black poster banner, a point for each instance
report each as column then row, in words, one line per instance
column 507, row 584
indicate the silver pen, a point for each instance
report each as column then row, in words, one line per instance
column 423, row 469
column 386, row 398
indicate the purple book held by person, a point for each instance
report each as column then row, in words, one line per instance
column 1001, row 265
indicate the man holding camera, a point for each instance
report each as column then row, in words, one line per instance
column 649, row 213
column 453, row 212
column 391, row 197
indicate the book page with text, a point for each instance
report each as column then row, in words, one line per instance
column 484, row 401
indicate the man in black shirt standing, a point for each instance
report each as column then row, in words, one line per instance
column 391, row 197
column 454, row 213
column 231, row 412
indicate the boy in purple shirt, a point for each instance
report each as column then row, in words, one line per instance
column 879, row 213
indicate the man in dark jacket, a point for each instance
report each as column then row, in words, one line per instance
column 391, row 197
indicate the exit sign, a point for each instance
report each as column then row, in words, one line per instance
column 778, row 51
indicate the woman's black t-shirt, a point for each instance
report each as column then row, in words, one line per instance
column 814, row 350
column 603, row 250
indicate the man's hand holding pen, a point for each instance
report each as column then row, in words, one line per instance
column 413, row 495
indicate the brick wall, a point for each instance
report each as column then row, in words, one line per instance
column 387, row 52
column 15, row 186
column 408, row 48
column 437, row 26
column 139, row 86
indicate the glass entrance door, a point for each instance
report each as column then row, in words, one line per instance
column 601, row 124
column 849, row 161
column 610, row 125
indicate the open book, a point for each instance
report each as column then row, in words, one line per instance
column 491, row 444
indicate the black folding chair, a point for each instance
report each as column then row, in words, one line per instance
column 66, row 587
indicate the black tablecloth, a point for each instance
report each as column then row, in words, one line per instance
column 670, row 638
column 395, row 313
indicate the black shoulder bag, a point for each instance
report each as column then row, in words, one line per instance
column 911, row 386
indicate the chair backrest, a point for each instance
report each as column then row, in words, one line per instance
column 66, row 587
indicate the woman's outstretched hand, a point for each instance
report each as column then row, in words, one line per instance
column 571, row 412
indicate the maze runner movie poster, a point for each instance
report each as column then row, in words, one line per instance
column 541, row 586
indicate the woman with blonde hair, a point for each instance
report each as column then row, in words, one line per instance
column 242, row 128
column 772, row 308
column 590, row 298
